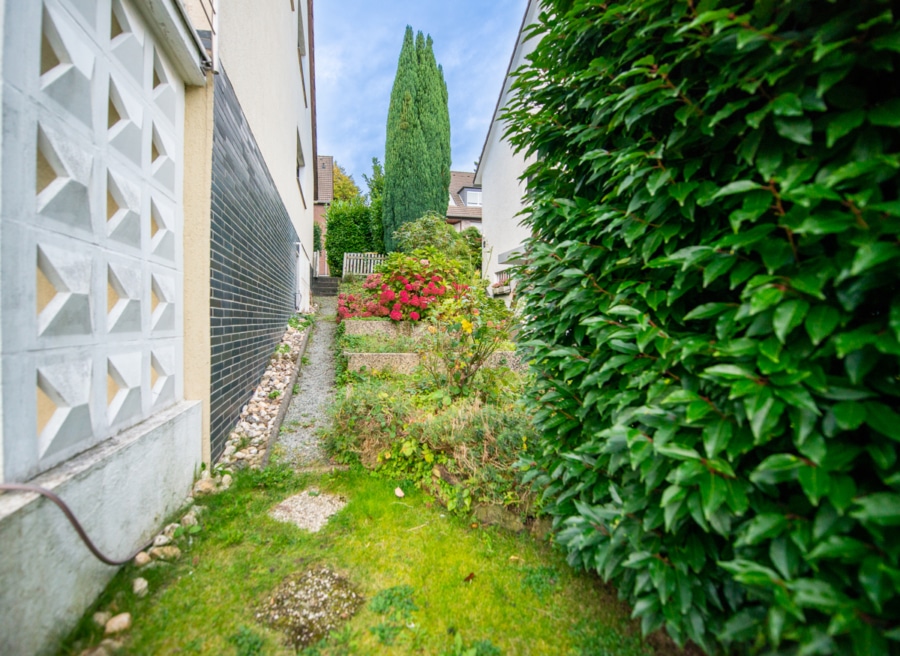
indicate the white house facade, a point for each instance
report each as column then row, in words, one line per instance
column 499, row 174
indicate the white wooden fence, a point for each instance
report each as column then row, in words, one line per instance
column 361, row 264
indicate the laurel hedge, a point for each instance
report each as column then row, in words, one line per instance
column 347, row 230
column 712, row 307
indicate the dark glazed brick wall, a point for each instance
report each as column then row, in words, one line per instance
column 253, row 265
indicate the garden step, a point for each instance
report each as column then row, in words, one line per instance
column 325, row 286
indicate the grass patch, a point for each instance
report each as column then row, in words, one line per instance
column 432, row 583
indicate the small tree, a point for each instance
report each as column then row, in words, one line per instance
column 376, row 204
column 344, row 186
column 348, row 232
column 474, row 240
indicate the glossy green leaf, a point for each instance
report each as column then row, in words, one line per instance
column 883, row 419
column 821, row 322
column 881, row 508
column 815, row 482
column 788, row 316
column 798, row 130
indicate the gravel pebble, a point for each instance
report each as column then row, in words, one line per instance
column 309, row 510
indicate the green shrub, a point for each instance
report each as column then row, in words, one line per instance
column 713, row 304
column 433, row 231
column 474, row 240
column 463, row 452
column 317, row 237
column 347, row 231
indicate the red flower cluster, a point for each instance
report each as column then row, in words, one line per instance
column 398, row 297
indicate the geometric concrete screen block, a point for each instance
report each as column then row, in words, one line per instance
column 69, row 81
column 123, row 387
column 162, row 293
column 124, row 116
column 63, row 292
column 123, row 299
column 162, row 376
column 63, row 405
column 127, row 46
column 161, row 161
column 90, row 228
column 162, row 237
column 163, row 93
column 123, row 218
column 63, row 174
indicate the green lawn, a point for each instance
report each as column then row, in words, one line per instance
column 468, row 583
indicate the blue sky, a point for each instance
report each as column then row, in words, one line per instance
column 357, row 47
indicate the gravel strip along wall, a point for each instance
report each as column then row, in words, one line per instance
column 309, row 407
column 253, row 265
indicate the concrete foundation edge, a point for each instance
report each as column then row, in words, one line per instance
column 121, row 491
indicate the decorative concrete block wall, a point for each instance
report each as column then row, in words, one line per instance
column 91, row 337
column 254, row 264
column 91, row 264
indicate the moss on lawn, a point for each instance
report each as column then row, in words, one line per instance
column 468, row 583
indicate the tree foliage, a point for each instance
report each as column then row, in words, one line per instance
column 347, row 231
column 375, row 183
column 344, row 186
column 433, row 231
column 417, row 147
column 435, row 117
column 713, row 312
column 317, row 237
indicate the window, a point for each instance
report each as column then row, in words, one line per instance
column 301, row 34
column 301, row 52
column 473, row 198
column 301, row 162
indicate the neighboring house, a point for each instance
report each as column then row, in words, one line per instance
column 155, row 236
column 464, row 207
column 324, row 187
column 324, row 196
column 499, row 172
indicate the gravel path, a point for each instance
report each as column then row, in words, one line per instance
column 309, row 407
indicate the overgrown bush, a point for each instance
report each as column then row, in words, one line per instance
column 713, row 305
column 462, row 452
column 433, row 231
column 474, row 241
column 468, row 328
column 347, row 231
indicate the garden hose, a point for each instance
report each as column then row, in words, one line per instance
column 25, row 487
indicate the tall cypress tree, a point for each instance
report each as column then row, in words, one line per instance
column 417, row 148
column 435, row 118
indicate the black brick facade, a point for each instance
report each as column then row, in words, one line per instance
column 253, row 258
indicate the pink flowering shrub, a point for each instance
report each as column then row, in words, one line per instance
column 407, row 288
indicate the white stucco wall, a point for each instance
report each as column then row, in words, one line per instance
column 258, row 49
column 498, row 173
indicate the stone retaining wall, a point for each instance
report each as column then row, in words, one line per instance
column 405, row 363
column 384, row 327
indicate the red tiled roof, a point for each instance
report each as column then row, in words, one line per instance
column 464, row 212
column 459, row 180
